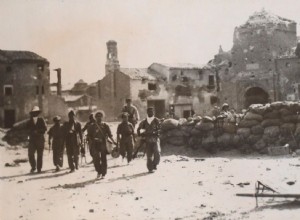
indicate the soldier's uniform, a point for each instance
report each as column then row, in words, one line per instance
column 72, row 138
column 126, row 130
column 133, row 115
column 98, row 134
column 56, row 134
column 151, row 135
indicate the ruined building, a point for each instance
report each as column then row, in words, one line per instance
column 121, row 83
column 181, row 89
column 24, row 82
column 261, row 66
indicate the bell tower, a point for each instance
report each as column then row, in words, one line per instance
column 112, row 63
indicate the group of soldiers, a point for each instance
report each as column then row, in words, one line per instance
column 70, row 135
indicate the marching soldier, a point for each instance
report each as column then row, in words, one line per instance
column 98, row 133
column 56, row 135
column 73, row 140
column 150, row 128
column 125, row 137
column 133, row 114
column 37, row 128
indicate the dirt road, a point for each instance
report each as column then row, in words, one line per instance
column 182, row 188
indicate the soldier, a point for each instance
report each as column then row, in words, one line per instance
column 133, row 114
column 125, row 137
column 56, row 135
column 73, row 140
column 149, row 128
column 37, row 128
column 98, row 133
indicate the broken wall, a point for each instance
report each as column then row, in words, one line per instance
column 28, row 82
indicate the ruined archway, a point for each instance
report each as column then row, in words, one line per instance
column 255, row 95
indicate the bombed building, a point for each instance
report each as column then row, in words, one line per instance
column 24, row 82
column 178, row 89
column 262, row 65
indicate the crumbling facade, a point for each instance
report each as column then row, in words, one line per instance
column 190, row 88
column 179, row 89
column 252, row 72
column 24, row 82
column 121, row 83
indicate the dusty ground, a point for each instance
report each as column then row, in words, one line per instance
column 184, row 187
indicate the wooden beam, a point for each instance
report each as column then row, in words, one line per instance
column 269, row 195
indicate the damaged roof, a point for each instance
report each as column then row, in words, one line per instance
column 181, row 65
column 16, row 55
column 263, row 17
column 137, row 73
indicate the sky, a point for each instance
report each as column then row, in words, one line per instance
column 72, row 34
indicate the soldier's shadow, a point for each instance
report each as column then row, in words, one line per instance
column 25, row 174
column 281, row 206
column 129, row 177
column 48, row 176
column 75, row 185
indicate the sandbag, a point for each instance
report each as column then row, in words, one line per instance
column 297, row 131
column 169, row 124
column 208, row 140
column 276, row 105
column 272, row 131
column 253, row 116
column 252, row 139
column 274, row 114
column 248, row 123
column 270, row 122
column 269, row 140
column 188, row 123
column 175, row 133
column 260, row 144
column 207, row 119
column 287, row 128
column 295, row 107
column 236, row 140
column 182, row 121
column 196, row 133
column 204, row 126
column 225, row 139
column 285, row 112
column 176, row 141
column 243, row 132
column 290, row 118
column 229, row 128
column 257, row 130
column 186, row 130
column 258, row 108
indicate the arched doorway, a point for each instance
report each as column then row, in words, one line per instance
column 255, row 95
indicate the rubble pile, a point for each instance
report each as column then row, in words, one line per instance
column 262, row 126
column 17, row 135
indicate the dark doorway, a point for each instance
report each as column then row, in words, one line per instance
column 187, row 113
column 255, row 95
column 9, row 118
column 159, row 107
